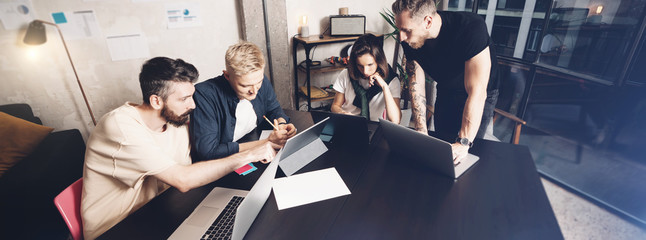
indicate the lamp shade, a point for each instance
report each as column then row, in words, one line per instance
column 35, row 33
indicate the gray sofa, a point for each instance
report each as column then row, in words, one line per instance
column 27, row 190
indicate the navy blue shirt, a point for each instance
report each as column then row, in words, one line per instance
column 213, row 120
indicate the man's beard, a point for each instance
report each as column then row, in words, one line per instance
column 416, row 45
column 172, row 118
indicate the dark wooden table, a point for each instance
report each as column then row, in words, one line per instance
column 501, row 197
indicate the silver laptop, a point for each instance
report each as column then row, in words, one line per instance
column 216, row 217
column 302, row 139
column 302, row 149
column 228, row 213
column 430, row 151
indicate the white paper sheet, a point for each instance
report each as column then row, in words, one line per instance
column 182, row 15
column 124, row 47
column 308, row 187
column 77, row 24
column 265, row 134
column 16, row 14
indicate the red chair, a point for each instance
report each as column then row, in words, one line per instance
column 68, row 203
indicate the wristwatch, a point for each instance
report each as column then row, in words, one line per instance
column 464, row 141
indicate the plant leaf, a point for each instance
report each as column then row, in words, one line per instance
column 390, row 19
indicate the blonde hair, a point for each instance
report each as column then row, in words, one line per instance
column 243, row 58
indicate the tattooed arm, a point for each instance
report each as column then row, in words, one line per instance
column 417, row 88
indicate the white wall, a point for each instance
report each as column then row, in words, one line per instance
column 47, row 83
column 318, row 13
column 46, row 80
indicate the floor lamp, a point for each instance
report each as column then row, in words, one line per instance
column 36, row 35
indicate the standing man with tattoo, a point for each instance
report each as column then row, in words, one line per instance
column 453, row 48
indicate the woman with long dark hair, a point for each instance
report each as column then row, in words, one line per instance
column 368, row 86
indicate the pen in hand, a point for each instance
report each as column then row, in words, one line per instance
column 275, row 128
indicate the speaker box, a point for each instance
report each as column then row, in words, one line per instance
column 347, row 25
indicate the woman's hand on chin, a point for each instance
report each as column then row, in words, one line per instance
column 380, row 81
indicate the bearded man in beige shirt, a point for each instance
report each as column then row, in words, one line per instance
column 137, row 150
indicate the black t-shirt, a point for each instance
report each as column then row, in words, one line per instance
column 462, row 36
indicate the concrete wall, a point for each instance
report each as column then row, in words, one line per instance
column 42, row 76
column 46, row 80
column 271, row 37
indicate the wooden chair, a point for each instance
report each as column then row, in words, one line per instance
column 518, row 123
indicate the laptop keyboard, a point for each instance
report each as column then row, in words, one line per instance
column 222, row 227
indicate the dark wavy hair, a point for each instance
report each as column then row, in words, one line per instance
column 158, row 72
column 367, row 44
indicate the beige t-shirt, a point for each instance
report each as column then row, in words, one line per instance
column 122, row 153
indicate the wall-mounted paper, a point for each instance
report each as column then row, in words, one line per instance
column 77, row 25
column 308, row 187
column 16, row 14
column 124, row 47
column 182, row 15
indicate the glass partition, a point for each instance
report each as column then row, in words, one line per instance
column 591, row 37
column 572, row 70
column 515, row 26
column 456, row 5
column 514, row 78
